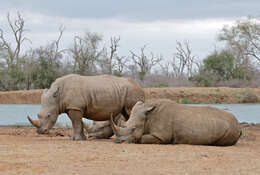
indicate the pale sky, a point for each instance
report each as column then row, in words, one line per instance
column 155, row 23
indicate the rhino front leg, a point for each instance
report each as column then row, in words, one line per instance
column 77, row 124
column 150, row 139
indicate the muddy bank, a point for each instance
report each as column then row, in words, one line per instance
column 197, row 95
column 23, row 151
column 183, row 95
column 20, row 97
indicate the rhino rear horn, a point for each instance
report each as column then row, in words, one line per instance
column 114, row 127
column 34, row 122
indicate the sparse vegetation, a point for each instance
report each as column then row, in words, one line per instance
column 248, row 96
column 185, row 101
column 233, row 66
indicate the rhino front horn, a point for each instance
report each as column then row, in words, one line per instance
column 34, row 122
column 86, row 126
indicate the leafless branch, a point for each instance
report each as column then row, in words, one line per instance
column 183, row 61
column 144, row 62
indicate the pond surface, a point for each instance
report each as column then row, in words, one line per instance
column 244, row 112
column 13, row 114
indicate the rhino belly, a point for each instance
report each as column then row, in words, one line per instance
column 101, row 114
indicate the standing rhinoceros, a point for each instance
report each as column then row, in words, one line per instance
column 163, row 121
column 92, row 97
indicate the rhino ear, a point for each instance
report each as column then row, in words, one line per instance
column 149, row 109
column 56, row 92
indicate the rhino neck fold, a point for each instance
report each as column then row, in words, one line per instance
column 61, row 104
column 61, row 107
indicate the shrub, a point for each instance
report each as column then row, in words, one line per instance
column 185, row 101
column 248, row 96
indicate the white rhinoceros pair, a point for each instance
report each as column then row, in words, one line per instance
column 153, row 121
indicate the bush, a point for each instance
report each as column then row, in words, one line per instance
column 185, row 101
column 248, row 96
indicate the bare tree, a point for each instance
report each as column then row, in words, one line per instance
column 120, row 65
column 85, row 53
column 145, row 62
column 107, row 63
column 56, row 44
column 12, row 54
column 132, row 71
column 44, row 63
column 183, row 62
column 17, row 28
column 166, row 69
column 114, row 44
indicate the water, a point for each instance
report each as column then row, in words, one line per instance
column 17, row 114
column 244, row 112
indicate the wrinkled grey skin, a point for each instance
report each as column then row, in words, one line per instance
column 92, row 97
column 163, row 121
column 49, row 111
column 102, row 129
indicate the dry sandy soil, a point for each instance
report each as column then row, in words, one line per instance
column 22, row 151
column 180, row 94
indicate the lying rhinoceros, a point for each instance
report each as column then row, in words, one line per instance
column 92, row 97
column 102, row 129
column 163, row 121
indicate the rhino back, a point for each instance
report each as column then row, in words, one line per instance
column 96, row 96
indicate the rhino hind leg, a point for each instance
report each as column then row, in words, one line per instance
column 77, row 124
column 103, row 133
column 150, row 139
column 103, row 129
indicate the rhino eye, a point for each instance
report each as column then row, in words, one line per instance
column 133, row 129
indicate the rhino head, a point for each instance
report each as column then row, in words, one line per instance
column 134, row 127
column 49, row 111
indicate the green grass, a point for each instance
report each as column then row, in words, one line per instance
column 185, row 101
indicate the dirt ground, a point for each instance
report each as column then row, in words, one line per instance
column 23, row 151
column 179, row 94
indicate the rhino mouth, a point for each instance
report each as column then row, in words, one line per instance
column 124, row 139
column 36, row 123
column 123, row 134
column 118, row 131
